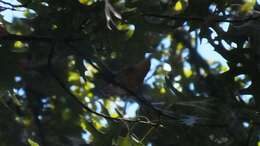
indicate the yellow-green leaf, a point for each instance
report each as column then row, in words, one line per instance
column 88, row 86
column 178, row 6
column 86, row 2
column 129, row 28
column 179, row 47
column 18, row 44
column 19, row 47
column 187, row 72
column 73, row 76
column 162, row 90
column 248, row 6
column 32, row 143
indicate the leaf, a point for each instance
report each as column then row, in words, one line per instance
column 187, row 72
column 19, row 47
column 248, row 6
column 73, row 76
column 86, row 2
column 32, row 143
column 88, row 86
column 178, row 6
column 129, row 28
column 162, row 90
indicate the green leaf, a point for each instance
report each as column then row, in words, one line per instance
column 73, row 76
column 86, row 2
column 248, row 6
column 32, row 143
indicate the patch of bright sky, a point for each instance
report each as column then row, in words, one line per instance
column 131, row 110
column 246, row 124
column 148, row 79
column 242, row 77
column 19, row 91
column 206, row 50
column 17, row 78
column 246, row 98
column 9, row 14
column 86, row 136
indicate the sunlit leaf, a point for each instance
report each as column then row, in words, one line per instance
column 77, row 91
column 19, row 47
column 223, row 69
column 162, row 90
column 85, row 125
column 90, row 95
column 91, row 71
column 258, row 143
column 18, row 33
column 73, row 76
column 97, row 123
column 82, row 124
column 248, row 6
column 88, row 86
column 179, row 47
column 86, row 2
column 126, row 27
column 18, row 44
column 178, row 6
column 187, row 72
column 32, row 143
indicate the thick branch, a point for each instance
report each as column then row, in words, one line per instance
column 203, row 19
column 12, row 37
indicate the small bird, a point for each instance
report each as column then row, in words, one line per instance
column 130, row 77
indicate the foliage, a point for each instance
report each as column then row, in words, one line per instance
column 130, row 73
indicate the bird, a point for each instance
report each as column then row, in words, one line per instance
column 128, row 78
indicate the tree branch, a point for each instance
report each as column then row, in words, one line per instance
column 203, row 19
column 51, row 53
column 12, row 37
